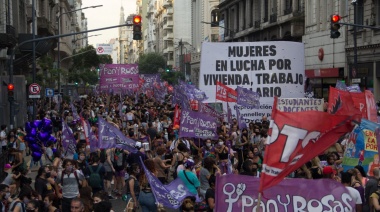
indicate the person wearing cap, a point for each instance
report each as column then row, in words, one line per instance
column 10, row 179
column 329, row 172
column 189, row 178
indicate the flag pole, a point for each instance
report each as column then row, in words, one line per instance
column 258, row 203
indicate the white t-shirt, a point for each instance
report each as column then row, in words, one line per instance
column 355, row 195
column 3, row 141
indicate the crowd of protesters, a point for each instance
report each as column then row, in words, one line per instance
column 87, row 181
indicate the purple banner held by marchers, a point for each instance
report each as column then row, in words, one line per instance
column 68, row 140
column 240, row 193
column 111, row 137
column 247, row 98
column 118, row 77
column 197, row 125
column 170, row 196
column 150, row 78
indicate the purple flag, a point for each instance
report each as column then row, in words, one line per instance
column 240, row 193
column 75, row 113
column 90, row 136
column 197, row 125
column 68, row 140
column 170, row 196
column 204, row 108
column 240, row 119
column 180, row 99
column 111, row 137
column 247, row 98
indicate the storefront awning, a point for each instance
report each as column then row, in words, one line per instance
column 322, row 73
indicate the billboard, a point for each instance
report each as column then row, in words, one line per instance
column 273, row 68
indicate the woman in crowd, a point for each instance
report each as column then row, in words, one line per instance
column 146, row 197
column 49, row 203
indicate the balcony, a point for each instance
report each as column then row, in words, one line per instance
column 287, row 11
column 273, row 18
column 8, row 39
column 169, row 36
column 45, row 26
column 168, row 25
column 169, row 11
column 168, row 49
column 167, row 3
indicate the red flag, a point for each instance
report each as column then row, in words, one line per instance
column 341, row 103
column 360, row 103
column 371, row 106
column 225, row 93
column 295, row 140
column 177, row 117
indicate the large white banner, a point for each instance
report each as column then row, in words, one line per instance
column 273, row 68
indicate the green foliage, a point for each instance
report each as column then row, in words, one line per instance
column 151, row 62
column 84, row 67
column 172, row 77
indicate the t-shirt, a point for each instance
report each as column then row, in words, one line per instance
column 210, row 193
column 355, row 195
column 43, row 187
column 49, row 154
column 203, row 179
column 191, row 182
column 3, row 137
column 70, row 187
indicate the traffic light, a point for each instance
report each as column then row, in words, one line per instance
column 334, row 26
column 10, row 91
column 137, row 35
column 167, row 70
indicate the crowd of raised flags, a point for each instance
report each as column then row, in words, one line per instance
column 280, row 149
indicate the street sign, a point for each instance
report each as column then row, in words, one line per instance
column 49, row 92
column 356, row 80
column 34, row 89
column 104, row 49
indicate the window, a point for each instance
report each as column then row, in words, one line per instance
column 288, row 7
column 360, row 12
column 377, row 12
column 266, row 6
column 215, row 17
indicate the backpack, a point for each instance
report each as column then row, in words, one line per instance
column 95, row 181
column 22, row 206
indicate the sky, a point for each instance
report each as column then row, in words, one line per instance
column 107, row 15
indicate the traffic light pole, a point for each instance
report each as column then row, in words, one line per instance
column 350, row 75
column 13, row 51
column 355, row 41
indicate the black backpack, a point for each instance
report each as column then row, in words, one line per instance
column 95, row 181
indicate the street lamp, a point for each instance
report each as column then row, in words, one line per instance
column 59, row 39
column 75, row 40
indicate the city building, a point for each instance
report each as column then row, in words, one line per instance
column 123, row 39
column 115, row 52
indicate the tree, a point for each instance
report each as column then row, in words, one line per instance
column 84, row 65
column 151, row 62
column 172, row 77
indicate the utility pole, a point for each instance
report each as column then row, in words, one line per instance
column 355, row 67
column 34, row 53
column 181, row 57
